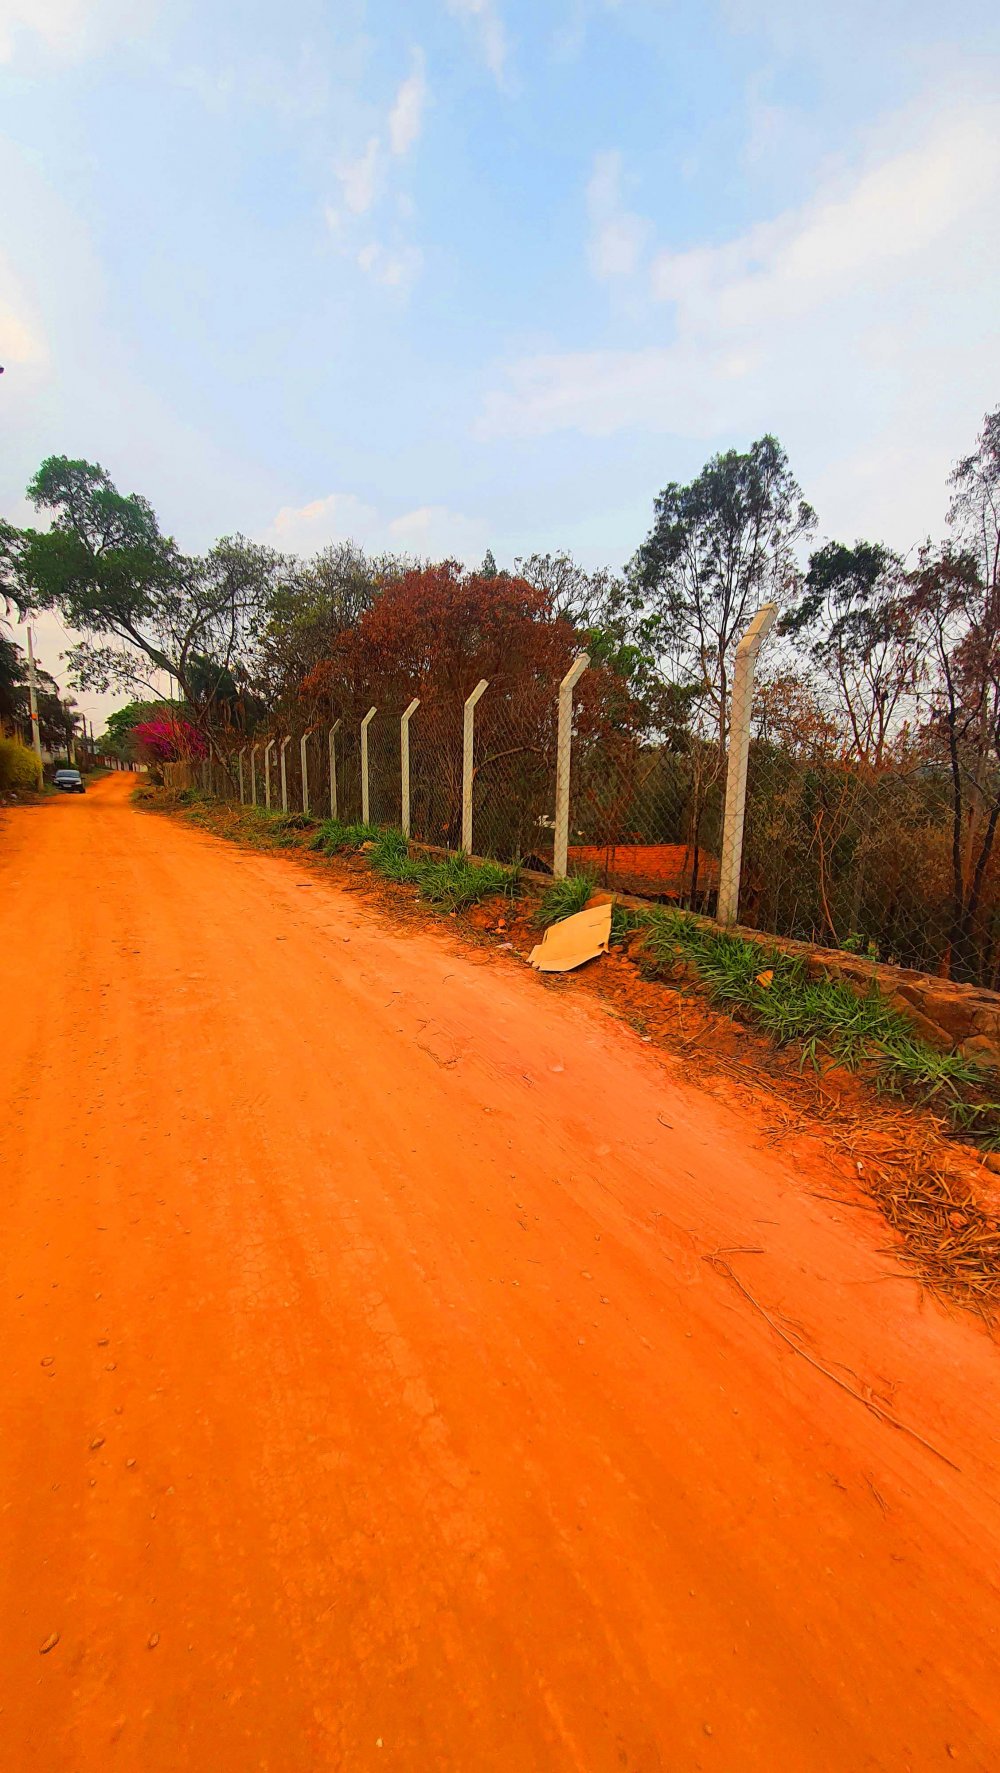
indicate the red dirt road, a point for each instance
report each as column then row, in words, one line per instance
column 368, row 1402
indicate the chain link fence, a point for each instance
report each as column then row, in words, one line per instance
column 647, row 818
column 809, row 848
column 864, row 860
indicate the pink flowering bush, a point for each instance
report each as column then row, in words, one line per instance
column 167, row 740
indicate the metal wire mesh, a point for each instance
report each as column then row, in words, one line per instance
column 647, row 817
column 436, row 774
column 513, row 783
column 872, row 860
column 384, row 778
column 865, row 860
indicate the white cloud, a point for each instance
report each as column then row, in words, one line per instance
column 69, row 28
column 407, row 115
column 617, row 236
column 362, row 188
column 429, row 531
column 862, row 236
column 484, row 15
column 393, row 268
column 855, row 323
column 358, row 178
column 434, row 532
column 340, row 517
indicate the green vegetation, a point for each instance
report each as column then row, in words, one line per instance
column 333, row 838
column 19, row 767
column 446, row 883
column 624, row 922
column 824, row 1015
column 453, row 883
column 565, row 897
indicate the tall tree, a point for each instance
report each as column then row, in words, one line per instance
column 601, row 607
column 862, row 641
column 974, row 513
column 433, row 633
column 58, row 720
column 13, row 679
column 143, row 607
column 956, row 597
column 718, row 549
column 312, row 604
column 956, row 617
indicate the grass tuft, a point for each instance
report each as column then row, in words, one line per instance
column 565, row 897
column 453, row 883
column 447, row 883
column 776, row 992
column 332, row 837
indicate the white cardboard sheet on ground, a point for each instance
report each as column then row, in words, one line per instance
column 573, row 940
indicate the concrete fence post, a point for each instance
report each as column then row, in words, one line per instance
column 468, row 760
column 365, row 804
column 268, row 748
column 564, row 760
column 333, row 768
column 253, row 773
column 286, row 741
column 239, row 764
column 304, row 762
column 728, row 905
column 404, row 763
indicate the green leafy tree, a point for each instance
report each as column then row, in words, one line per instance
column 955, row 601
column 862, row 641
column 15, row 594
column 956, row 618
column 58, row 720
column 600, row 606
column 311, row 605
column 143, row 607
column 116, row 738
column 974, row 513
column 718, row 549
column 13, row 679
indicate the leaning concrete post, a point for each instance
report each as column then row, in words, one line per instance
column 268, row 748
column 404, row 762
column 333, row 769
column 304, row 761
column 239, row 765
column 286, row 741
column 564, row 747
column 365, row 724
column 253, row 773
column 728, row 905
column 468, row 757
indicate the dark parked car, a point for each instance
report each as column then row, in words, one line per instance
column 70, row 781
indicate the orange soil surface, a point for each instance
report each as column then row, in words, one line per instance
column 368, row 1401
column 658, row 867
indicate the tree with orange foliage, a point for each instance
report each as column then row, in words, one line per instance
column 434, row 633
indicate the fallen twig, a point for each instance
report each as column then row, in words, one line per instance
column 717, row 1260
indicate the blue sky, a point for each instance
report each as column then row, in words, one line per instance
column 453, row 274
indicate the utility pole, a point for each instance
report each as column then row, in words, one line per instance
column 33, row 699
